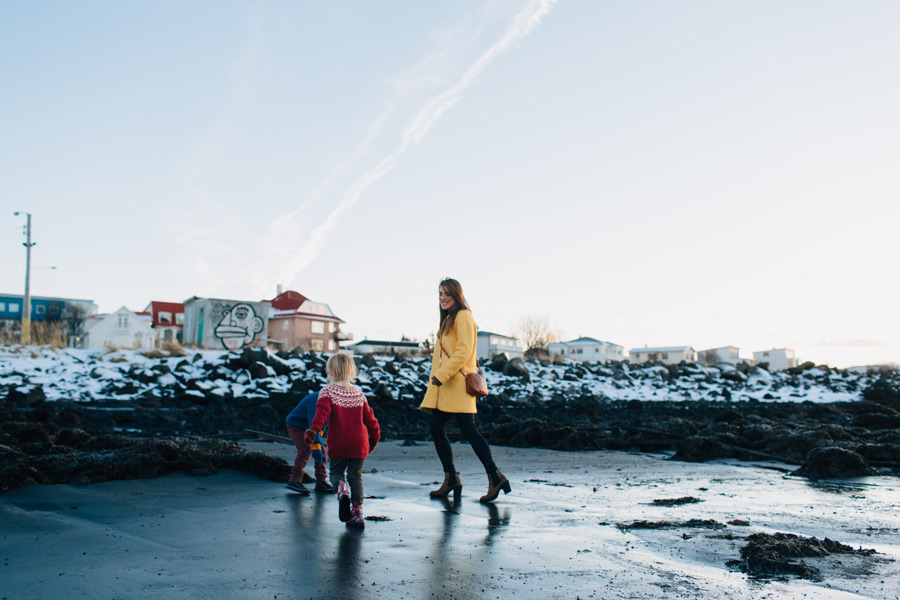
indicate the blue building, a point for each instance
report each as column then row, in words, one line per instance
column 43, row 308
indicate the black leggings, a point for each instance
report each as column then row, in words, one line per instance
column 466, row 422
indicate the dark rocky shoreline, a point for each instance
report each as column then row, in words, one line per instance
column 182, row 429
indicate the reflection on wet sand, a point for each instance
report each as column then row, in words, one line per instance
column 457, row 563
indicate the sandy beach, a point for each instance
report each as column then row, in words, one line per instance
column 562, row 533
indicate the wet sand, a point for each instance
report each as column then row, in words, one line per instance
column 557, row 535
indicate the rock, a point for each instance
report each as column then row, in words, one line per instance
column 142, row 375
column 260, row 371
column 302, row 387
column 884, row 391
column 26, row 395
column 734, row 375
column 516, row 368
column 382, row 393
column 833, row 462
column 278, row 365
column 498, row 362
column 728, row 416
column 248, row 357
column 877, row 421
column 699, row 449
column 26, row 433
column 804, row 367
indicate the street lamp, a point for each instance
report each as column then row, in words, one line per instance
column 26, row 308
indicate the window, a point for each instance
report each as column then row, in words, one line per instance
column 665, row 356
column 330, row 345
column 165, row 317
column 13, row 307
column 285, row 325
column 317, row 345
column 179, row 319
column 2, row 306
column 331, row 328
column 317, row 327
column 122, row 322
column 40, row 309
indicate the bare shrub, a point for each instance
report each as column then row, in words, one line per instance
column 536, row 333
column 49, row 333
column 173, row 348
column 9, row 334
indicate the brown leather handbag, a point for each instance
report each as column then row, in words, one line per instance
column 476, row 385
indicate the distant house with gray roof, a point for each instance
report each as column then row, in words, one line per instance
column 587, row 349
column 668, row 355
column 491, row 344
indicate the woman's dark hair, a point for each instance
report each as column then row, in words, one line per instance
column 448, row 317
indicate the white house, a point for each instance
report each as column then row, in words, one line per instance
column 668, row 355
column 383, row 347
column 778, row 358
column 587, row 349
column 491, row 344
column 716, row 356
column 121, row 329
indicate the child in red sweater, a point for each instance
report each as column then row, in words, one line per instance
column 352, row 434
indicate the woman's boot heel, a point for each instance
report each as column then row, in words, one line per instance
column 447, row 487
column 502, row 483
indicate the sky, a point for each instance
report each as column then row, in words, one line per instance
column 656, row 173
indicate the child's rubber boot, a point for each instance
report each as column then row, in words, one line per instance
column 343, row 496
column 356, row 516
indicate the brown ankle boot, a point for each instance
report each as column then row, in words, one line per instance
column 447, row 487
column 502, row 483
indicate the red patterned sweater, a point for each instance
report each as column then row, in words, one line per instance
column 353, row 429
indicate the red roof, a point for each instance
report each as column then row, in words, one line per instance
column 289, row 300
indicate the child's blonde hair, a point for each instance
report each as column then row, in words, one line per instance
column 340, row 368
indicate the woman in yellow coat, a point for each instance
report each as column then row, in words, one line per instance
column 446, row 396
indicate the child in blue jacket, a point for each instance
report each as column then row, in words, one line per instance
column 298, row 421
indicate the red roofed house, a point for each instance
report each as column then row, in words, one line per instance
column 167, row 319
column 295, row 321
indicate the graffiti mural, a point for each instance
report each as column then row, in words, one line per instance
column 239, row 327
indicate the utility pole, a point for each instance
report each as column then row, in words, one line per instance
column 26, row 307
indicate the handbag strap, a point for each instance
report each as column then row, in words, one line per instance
column 441, row 359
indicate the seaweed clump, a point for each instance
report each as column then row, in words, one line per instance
column 777, row 554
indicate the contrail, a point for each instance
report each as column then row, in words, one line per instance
column 522, row 25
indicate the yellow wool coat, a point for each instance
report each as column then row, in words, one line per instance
column 451, row 368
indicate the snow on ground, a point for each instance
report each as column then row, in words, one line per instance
column 84, row 375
